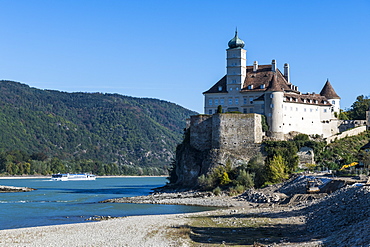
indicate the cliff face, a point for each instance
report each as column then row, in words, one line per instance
column 211, row 141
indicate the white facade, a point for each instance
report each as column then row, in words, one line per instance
column 263, row 89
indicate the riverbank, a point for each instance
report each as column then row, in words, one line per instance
column 153, row 230
column 263, row 216
column 234, row 226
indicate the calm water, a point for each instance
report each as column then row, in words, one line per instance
column 56, row 202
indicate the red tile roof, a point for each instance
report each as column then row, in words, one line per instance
column 328, row 91
column 264, row 79
column 215, row 88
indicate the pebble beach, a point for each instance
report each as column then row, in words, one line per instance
column 149, row 230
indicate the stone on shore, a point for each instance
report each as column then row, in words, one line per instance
column 4, row 189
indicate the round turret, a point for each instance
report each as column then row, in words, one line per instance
column 236, row 42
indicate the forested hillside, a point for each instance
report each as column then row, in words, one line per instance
column 109, row 128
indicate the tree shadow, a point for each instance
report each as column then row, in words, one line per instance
column 248, row 235
column 263, row 232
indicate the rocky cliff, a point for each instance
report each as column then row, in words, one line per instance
column 192, row 161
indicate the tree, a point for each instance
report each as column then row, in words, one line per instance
column 219, row 109
column 277, row 169
column 359, row 108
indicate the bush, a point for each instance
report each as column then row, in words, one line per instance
column 217, row 191
column 206, row 182
column 245, row 179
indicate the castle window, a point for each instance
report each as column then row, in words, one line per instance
column 221, row 101
column 251, row 100
column 250, row 110
column 325, row 110
column 244, row 110
column 231, row 89
column 230, row 101
column 233, row 81
column 245, row 101
column 210, row 102
column 271, row 105
column 220, row 88
column 210, row 112
column 250, row 87
column 296, row 109
column 311, row 110
column 262, row 86
column 236, row 101
column 216, row 101
column 237, row 89
column 304, row 109
column 271, row 96
column 333, row 102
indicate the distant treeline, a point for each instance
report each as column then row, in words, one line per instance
column 20, row 163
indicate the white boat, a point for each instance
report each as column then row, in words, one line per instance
column 72, row 177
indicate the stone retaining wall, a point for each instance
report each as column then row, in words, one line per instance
column 351, row 132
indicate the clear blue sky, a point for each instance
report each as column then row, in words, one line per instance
column 175, row 50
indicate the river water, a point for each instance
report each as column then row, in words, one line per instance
column 57, row 202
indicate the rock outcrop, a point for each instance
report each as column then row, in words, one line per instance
column 190, row 163
column 14, row 189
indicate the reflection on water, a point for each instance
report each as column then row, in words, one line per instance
column 56, row 202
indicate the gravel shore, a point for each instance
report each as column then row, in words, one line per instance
column 265, row 216
column 151, row 230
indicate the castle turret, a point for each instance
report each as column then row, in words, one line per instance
column 275, row 96
column 236, row 64
column 333, row 98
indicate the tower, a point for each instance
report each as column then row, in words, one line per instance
column 275, row 97
column 236, row 60
column 333, row 98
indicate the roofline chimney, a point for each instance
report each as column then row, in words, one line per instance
column 287, row 72
column 255, row 66
column 273, row 67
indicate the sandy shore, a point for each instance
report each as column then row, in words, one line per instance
column 151, row 230
column 171, row 230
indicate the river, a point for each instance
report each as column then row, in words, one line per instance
column 56, row 202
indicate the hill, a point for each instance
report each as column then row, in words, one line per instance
column 110, row 128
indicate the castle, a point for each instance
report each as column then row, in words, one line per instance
column 265, row 90
column 261, row 93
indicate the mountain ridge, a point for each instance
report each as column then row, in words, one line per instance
column 108, row 127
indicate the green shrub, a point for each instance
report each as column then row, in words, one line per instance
column 217, row 191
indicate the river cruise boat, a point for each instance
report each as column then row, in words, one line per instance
column 72, row 177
